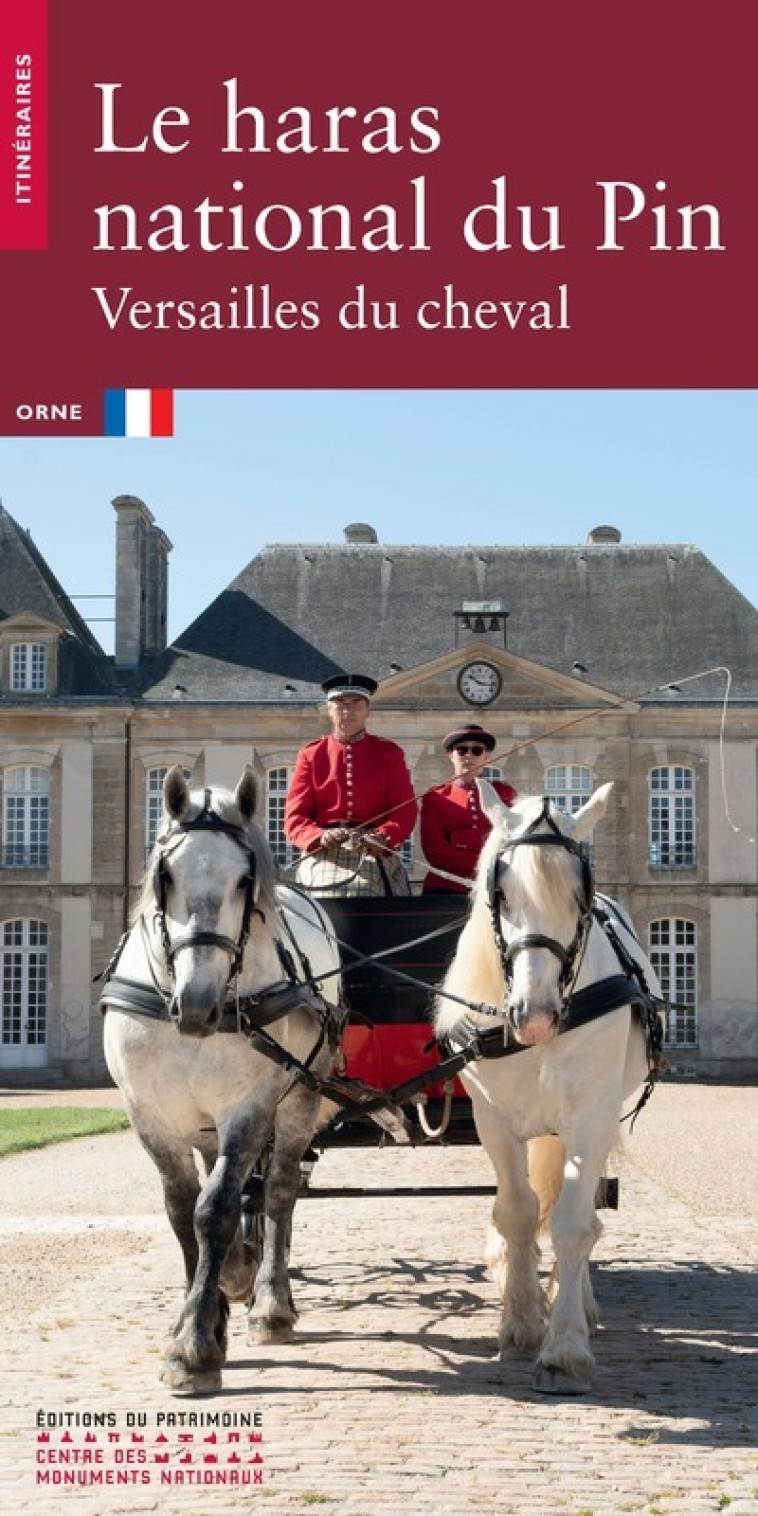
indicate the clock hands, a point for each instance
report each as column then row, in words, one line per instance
column 479, row 682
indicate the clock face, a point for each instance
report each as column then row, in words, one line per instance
column 479, row 683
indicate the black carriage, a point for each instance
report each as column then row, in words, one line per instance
column 395, row 952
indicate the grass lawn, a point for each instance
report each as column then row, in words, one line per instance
column 24, row 1129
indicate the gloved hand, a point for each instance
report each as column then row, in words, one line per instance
column 334, row 837
column 376, row 844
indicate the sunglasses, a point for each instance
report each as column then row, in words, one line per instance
column 464, row 747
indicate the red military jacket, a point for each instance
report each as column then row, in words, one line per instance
column 360, row 783
column 454, row 829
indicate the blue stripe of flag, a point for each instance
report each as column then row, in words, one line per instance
column 114, row 413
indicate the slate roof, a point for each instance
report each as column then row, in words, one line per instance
column 27, row 584
column 635, row 616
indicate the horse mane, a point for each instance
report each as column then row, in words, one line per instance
column 546, row 875
column 222, row 804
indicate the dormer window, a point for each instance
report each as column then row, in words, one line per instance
column 29, row 655
column 29, row 667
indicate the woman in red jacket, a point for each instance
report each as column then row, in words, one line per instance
column 350, row 803
column 453, row 824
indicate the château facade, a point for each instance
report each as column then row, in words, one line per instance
column 576, row 648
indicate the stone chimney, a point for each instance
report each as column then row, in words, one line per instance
column 142, row 551
column 360, row 531
column 156, row 628
column 604, row 534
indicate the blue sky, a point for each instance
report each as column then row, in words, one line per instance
column 510, row 467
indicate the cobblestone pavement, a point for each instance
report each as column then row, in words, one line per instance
column 391, row 1401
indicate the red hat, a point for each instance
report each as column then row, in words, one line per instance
column 469, row 733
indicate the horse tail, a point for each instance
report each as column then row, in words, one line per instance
column 546, row 1157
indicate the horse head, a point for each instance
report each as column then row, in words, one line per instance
column 207, row 871
column 537, row 883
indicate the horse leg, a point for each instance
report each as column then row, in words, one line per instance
column 566, row 1364
column 512, row 1253
column 181, row 1187
column 547, row 1157
column 272, row 1313
column 589, row 1302
column 196, row 1355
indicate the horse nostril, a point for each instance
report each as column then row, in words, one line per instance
column 516, row 1013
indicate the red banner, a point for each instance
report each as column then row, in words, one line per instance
column 545, row 196
column 23, row 125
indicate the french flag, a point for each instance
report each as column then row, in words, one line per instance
column 139, row 413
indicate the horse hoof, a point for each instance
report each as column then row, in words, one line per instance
column 520, row 1342
column 263, row 1333
column 181, row 1380
column 552, row 1381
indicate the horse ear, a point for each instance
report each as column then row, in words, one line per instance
column 175, row 793
column 245, row 794
column 587, row 817
column 497, row 814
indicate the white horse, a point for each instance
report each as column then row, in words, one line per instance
column 533, row 948
column 215, row 947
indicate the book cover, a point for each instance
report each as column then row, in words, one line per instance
column 268, row 274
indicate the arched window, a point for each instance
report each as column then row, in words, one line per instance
column 154, row 803
column 26, row 818
column 277, row 784
column 673, row 954
column 23, row 948
column 569, row 785
column 672, row 818
column 29, row 667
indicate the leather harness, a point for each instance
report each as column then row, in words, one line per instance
column 251, row 1014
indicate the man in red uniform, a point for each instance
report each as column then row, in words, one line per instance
column 453, row 824
column 351, row 791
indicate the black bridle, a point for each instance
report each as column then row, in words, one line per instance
column 207, row 821
column 570, row 957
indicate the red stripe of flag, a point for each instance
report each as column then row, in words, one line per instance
column 161, row 413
